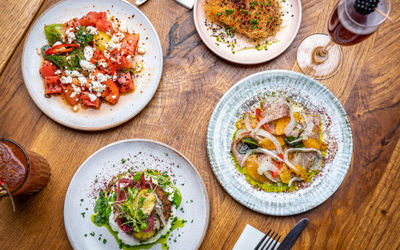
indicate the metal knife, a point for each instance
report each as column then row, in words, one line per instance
column 292, row 236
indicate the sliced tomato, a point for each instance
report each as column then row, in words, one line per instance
column 103, row 24
column 67, row 91
column 52, row 85
column 129, row 44
column 73, row 23
column 122, row 63
column 89, row 20
column 103, row 63
column 98, row 20
column 125, row 82
column 48, row 69
column 88, row 102
column 111, row 94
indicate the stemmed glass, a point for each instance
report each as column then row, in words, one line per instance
column 320, row 55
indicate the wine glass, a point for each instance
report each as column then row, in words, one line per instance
column 350, row 22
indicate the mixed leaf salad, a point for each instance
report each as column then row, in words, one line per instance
column 89, row 60
column 279, row 144
column 138, row 208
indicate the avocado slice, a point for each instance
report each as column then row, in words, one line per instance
column 54, row 32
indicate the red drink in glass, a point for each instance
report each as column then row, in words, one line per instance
column 23, row 171
column 347, row 27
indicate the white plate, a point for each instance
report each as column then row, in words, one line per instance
column 302, row 89
column 108, row 115
column 106, row 163
column 290, row 27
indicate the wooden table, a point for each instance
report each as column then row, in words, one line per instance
column 364, row 211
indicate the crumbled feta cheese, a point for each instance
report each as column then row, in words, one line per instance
column 118, row 36
column 114, row 97
column 57, row 72
column 111, row 45
column 87, row 65
column 76, row 91
column 101, row 77
column 82, row 80
column 66, row 80
column 141, row 51
column 115, row 42
column 115, row 77
column 57, row 43
column 92, row 97
column 73, row 73
column 98, row 87
column 123, row 26
column 129, row 57
column 107, row 54
column 70, row 35
column 88, row 52
column 103, row 63
column 92, row 30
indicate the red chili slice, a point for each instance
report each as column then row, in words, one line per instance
column 259, row 117
column 61, row 48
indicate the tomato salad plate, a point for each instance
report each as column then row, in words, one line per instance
column 247, row 32
column 136, row 194
column 279, row 142
column 92, row 65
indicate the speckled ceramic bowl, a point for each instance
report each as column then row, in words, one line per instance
column 300, row 88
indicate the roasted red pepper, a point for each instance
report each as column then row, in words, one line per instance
column 259, row 117
column 61, row 48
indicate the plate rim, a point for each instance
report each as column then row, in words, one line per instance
column 216, row 52
column 68, row 193
column 91, row 127
column 210, row 137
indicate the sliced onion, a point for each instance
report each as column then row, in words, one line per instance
column 289, row 128
column 317, row 161
column 294, row 179
column 260, row 151
column 272, row 138
column 265, row 165
column 240, row 134
column 247, row 121
column 309, row 128
column 268, row 152
column 264, row 120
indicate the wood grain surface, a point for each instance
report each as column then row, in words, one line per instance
column 362, row 214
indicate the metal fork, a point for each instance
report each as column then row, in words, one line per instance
column 268, row 242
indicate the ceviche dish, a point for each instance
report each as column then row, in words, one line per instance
column 139, row 208
column 90, row 60
column 279, row 145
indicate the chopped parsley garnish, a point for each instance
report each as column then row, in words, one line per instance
column 253, row 4
column 229, row 11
